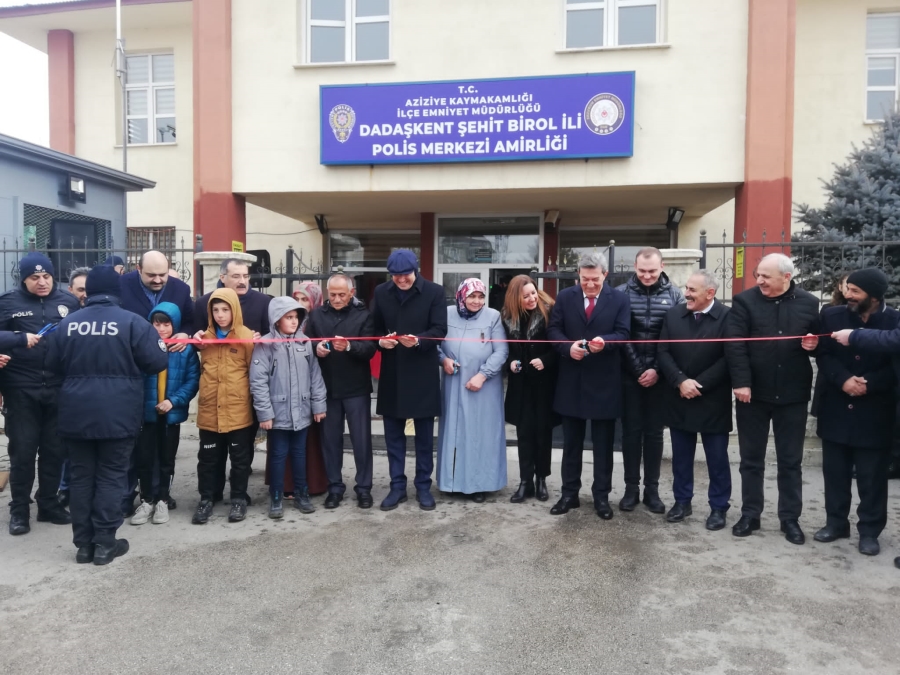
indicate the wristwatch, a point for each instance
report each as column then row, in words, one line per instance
column 348, row 346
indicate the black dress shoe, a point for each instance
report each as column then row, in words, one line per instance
column 103, row 555
column 679, row 512
column 478, row 497
column 85, row 554
column 828, row 534
column 869, row 546
column 653, row 502
column 333, row 500
column 19, row 525
column 604, row 510
column 792, row 532
column 57, row 516
column 897, row 562
column 524, row 490
column 716, row 520
column 630, row 501
column 364, row 499
column 540, row 489
column 894, row 469
column 745, row 526
column 564, row 504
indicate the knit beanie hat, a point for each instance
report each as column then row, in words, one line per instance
column 402, row 261
column 103, row 280
column 34, row 263
column 872, row 280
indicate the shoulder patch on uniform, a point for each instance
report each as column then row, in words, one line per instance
column 162, row 345
column 63, row 311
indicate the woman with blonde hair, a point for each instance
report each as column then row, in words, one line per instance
column 531, row 366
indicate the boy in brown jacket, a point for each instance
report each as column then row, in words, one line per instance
column 224, row 413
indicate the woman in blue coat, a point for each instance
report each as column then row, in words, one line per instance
column 471, row 437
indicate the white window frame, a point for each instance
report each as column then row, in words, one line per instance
column 611, row 22
column 881, row 54
column 151, row 87
column 349, row 25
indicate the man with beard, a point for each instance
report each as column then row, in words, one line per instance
column 856, row 412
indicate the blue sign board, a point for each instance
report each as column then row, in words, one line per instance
column 556, row 117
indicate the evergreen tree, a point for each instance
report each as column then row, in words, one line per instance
column 863, row 206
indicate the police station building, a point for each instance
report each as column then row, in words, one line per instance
column 490, row 137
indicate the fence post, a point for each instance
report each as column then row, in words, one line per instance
column 198, row 268
column 289, row 270
column 31, row 244
column 612, row 256
column 702, row 249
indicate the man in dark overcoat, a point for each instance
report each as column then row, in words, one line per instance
column 410, row 315
column 697, row 396
column 589, row 386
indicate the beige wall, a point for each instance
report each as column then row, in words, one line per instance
column 274, row 232
column 690, row 97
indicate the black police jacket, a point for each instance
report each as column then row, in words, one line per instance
column 649, row 305
column 28, row 313
column 102, row 354
column 346, row 373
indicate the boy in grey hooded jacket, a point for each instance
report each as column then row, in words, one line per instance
column 288, row 394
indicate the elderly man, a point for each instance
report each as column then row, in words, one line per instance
column 235, row 274
column 856, row 411
column 31, row 393
column 77, row 279
column 150, row 284
column 651, row 295
column 772, row 380
column 345, row 368
column 411, row 315
column 697, row 396
column 589, row 384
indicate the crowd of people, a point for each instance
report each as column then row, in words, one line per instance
column 298, row 368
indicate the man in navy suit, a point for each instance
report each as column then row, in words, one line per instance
column 584, row 318
column 150, row 284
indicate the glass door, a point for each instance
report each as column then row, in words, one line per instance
column 451, row 276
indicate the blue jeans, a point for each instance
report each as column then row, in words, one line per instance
column 64, row 476
column 684, row 445
column 284, row 443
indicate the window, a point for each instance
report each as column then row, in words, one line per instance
column 141, row 239
column 150, row 98
column 611, row 23
column 348, row 31
column 882, row 54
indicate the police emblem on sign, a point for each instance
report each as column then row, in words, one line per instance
column 604, row 114
column 162, row 345
column 63, row 310
column 342, row 118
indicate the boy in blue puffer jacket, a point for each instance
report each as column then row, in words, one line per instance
column 166, row 399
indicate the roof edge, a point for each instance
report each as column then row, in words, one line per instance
column 76, row 6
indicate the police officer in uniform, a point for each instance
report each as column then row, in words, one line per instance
column 102, row 353
column 30, row 391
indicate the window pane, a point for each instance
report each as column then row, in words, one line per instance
column 372, row 41
column 165, row 101
column 137, row 69
column 882, row 32
column 164, row 68
column 881, row 73
column 137, row 102
column 370, row 249
column 165, row 130
column 637, row 25
column 327, row 44
column 327, row 10
column 584, row 28
column 878, row 104
column 373, row 7
column 137, row 131
column 488, row 240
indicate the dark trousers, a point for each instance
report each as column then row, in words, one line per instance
column 99, row 477
column 158, row 444
column 642, row 435
column 789, row 426
column 684, row 447
column 395, row 439
column 358, row 412
column 287, row 444
column 534, row 443
column 871, row 464
column 602, row 435
column 31, row 428
column 222, row 460
column 237, row 444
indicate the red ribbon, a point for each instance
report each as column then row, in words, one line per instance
column 194, row 341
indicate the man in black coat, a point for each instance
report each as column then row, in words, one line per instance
column 345, row 369
column 589, row 386
column 651, row 295
column 151, row 284
column 856, row 412
column 102, row 354
column 411, row 314
column 697, row 397
column 772, row 380
column 31, row 393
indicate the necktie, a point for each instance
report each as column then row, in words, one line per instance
column 590, row 308
column 698, row 316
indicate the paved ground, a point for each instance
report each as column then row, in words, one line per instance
column 496, row 587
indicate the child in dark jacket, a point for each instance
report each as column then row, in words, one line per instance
column 166, row 400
